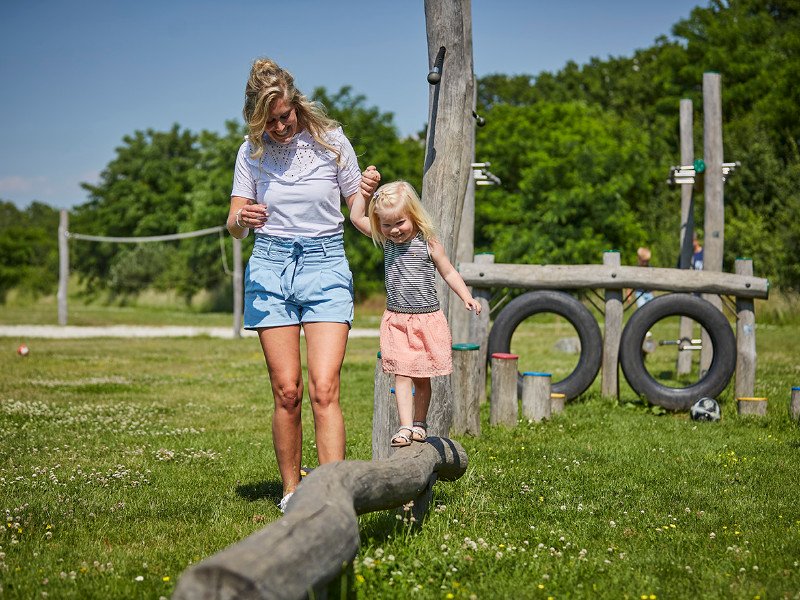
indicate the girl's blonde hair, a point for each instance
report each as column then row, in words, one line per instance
column 267, row 83
column 394, row 198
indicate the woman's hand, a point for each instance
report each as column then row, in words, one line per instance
column 252, row 216
column 370, row 179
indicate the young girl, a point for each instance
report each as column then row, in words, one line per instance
column 415, row 338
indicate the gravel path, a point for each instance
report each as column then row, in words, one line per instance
column 134, row 331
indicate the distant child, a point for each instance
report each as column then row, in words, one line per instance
column 415, row 339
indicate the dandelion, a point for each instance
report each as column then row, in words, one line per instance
column 139, row 578
column 165, row 578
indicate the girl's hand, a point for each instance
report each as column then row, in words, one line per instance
column 370, row 179
column 472, row 304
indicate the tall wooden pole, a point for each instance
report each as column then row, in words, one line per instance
column 63, row 266
column 465, row 245
column 714, row 221
column 448, row 152
column 687, row 220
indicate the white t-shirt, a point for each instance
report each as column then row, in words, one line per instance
column 300, row 183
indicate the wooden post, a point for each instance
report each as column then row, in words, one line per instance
column 448, row 152
column 238, row 287
column 612, row 332
column 536, row 403
column 752, row 406
column 714, row 220
column 63, row 265
column 300, row 553
column 745, row 337
column 479, row 324
column 465, row 248
column 504, row 409
column 468, row 387
column 794, row 406
column 385, row 419
column 684, row 365
column 557, row 401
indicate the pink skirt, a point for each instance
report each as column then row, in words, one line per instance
column 416, row 345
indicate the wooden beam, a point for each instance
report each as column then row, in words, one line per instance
column 565, row 277
column 307, row 548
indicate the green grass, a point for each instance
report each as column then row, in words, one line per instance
column 124, row 461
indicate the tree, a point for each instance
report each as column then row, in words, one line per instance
column 29, row 249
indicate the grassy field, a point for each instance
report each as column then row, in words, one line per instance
column 124, row 461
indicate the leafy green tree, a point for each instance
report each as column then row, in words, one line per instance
column 563, row 199
column 28, row 249
column 142, row 192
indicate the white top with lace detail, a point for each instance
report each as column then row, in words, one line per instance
column 300, row 182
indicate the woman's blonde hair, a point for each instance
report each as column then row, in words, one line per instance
column 399, row 197
column 268, row 83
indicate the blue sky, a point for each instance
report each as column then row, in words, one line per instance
column 78, row 76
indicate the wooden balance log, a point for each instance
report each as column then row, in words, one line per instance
column 318, row 536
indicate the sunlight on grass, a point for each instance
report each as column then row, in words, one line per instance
column 124, row 461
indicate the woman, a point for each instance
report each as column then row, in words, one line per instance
column 291, row 173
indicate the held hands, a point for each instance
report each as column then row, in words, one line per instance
column 370, row 179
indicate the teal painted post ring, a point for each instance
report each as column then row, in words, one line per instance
column 463, row 347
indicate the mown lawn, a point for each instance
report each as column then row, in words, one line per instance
column 124, row 461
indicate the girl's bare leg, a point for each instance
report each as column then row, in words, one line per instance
column 281, row 346
column 326, row 344
column 405, row 402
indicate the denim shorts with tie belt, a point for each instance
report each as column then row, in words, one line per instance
column 297, row 280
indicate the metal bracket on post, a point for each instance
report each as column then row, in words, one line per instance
column 483, row 176
column 686, row 174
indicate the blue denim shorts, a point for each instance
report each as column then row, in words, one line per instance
column 297, row 280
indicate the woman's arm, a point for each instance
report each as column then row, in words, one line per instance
column 357, row 203
column 452, row 277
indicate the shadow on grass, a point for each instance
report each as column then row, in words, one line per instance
column 260, row 490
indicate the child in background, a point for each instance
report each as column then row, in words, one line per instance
column 415, row 338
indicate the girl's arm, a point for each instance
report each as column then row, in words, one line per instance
column 358, row 213
column 452, row 277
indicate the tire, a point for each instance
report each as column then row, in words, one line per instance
column 531, row 303
column 710, row 318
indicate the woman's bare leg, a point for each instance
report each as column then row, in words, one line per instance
column 281, row 347
column 326, row 344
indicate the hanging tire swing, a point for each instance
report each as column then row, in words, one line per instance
column 564, row 305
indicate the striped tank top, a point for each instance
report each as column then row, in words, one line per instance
column 410, row 281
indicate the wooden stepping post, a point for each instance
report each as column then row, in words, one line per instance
column 752, row 406
column 536, row 396
column 468, row 387
column 504, row 409
column 557, row 402
column 385, row 419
